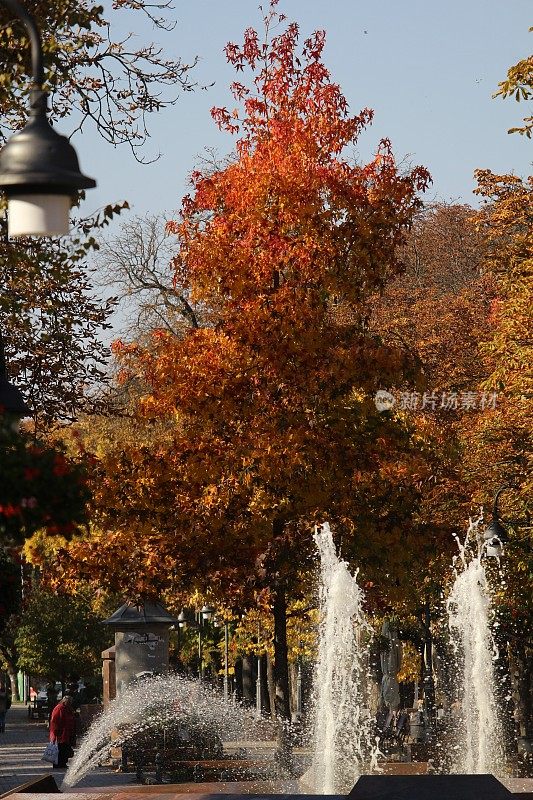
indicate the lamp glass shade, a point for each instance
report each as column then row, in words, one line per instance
column 38, row 215
column 207, row 612
column 495, row 530
column 493, row 548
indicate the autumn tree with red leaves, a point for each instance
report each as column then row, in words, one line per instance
column 266, row 417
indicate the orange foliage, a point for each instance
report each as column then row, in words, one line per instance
column 501, row 439
column 269, row 418
column 438, row 310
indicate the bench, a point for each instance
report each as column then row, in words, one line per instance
column 174, row 763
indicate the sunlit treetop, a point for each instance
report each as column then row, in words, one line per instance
column 290, row 211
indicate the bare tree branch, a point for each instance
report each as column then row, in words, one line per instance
column 136, row 263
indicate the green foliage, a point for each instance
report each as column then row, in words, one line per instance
column 60, row 636
column 50, row 323
column 11, row 595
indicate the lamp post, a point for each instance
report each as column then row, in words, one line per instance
column 429, row 682
column 12, row 405
column 188, row 618
column 495, row 535
column 258, row 703
column 181, row 623
column 39, row 169
column 218, row 624
column 226, row 660
column 204, row 614
column 196, row 620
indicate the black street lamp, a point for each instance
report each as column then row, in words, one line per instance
column 12, row 405
column 495, row 535
column 39, row 169
column 205, row 614
column 196, row 620
column 219, row 623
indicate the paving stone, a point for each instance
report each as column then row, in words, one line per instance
column 21, row 748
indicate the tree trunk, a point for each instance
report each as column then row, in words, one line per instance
column 281, row 663
column 521, row 660
column 265, row 694
column 293, row 687
column 248, row 680
column 283, row 754
column 238, row 678
column 10, row 660
column 13, row 681
column 271, row 687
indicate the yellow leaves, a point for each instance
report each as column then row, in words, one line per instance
column 150, row 406
column 210, row 496
column 41, row 547
column 260, row 502
column 254, row 632
column 519, row 83
column 410, row 670
column 505, row 220
column 302, row 624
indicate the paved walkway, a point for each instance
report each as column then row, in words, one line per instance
column 21, row 748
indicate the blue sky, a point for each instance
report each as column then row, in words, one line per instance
column 428, row 68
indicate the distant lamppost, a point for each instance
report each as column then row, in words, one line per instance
column 196, row 620
column 259, row 679
column 39, row 169
column 428, row 682
column 182, row 621
column 218, row 624
column 205, row 614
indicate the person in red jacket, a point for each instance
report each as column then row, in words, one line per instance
column 63, row 730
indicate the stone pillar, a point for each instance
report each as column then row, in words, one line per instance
column 141, row 641
column 108, row 675
column 138, row 653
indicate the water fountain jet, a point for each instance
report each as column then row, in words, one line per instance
column 166, row 702
column 478, row 748
column 343, row 744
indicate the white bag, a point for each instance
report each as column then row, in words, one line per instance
column 51, row 753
